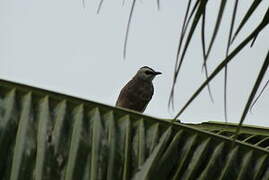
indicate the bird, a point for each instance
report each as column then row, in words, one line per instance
column 137, row 93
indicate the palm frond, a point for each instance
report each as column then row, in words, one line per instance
column 261, row 26
column 259, row 95
column 54, row 136
column 128, row 28
column 204, row 55
column 83, row 3
column 253, row 93
column 158, row 4
column 216, row 28
column 199, row 8
column 100, row 6
column 250, row 11
column 186, row 22
column 226, row 67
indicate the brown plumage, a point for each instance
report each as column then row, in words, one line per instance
column 137, row 93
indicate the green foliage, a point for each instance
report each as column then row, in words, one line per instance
column 45, row 135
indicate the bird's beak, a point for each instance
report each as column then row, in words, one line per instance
column 157, row 73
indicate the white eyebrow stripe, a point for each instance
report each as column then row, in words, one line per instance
column 146, row 67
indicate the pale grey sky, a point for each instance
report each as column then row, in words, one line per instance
column 61, row 46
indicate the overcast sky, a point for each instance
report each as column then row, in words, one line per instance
column 61, row 46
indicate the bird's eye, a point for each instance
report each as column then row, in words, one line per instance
column 148, row 72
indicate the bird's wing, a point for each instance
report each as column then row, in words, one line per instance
column 145, row 96
column 135, row 95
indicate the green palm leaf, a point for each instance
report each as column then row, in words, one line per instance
column 45, row 135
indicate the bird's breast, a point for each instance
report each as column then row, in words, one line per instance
column 136, row 95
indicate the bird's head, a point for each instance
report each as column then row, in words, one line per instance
column 147, row 73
